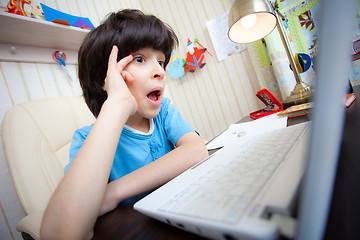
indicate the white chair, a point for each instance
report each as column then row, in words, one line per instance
column 36, row 137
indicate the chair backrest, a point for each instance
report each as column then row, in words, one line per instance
column 36, row 137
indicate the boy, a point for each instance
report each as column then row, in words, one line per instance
column 131, row 144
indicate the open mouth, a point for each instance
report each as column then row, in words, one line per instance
column 154, row 95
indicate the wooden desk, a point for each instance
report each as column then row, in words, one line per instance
column 126, row 223
column 343, row 220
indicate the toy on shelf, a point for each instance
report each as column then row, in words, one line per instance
column 17, row 7
column 37, row 12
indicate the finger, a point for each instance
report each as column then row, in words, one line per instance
column 127, row 77
column 124, row 62
column 113, row 57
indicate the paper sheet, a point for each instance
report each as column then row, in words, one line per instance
column 261, row 125
column 218, row 30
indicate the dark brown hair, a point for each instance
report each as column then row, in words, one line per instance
column 130, row 30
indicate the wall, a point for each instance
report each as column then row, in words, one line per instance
column 210, row 99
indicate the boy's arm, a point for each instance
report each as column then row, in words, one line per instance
column 75, row 204
column 189, row 150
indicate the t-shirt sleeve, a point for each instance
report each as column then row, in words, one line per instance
column 174, row 123
column 78, row 139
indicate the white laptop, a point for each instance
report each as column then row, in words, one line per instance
column 237, row 191
column 248, row 189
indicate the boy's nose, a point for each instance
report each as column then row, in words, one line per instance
column 159, row 72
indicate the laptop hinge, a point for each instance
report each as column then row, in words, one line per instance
column 287, row 224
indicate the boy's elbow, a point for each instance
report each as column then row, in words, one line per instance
column 195, row 147
column 201, row 149
column 51, row 226
column 48, row 230
column 59, row 230
column 46, row 233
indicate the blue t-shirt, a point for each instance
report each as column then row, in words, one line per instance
column 136, row 150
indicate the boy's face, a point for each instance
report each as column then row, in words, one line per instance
column 147, row 69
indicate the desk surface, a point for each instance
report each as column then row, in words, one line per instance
column 126, row 223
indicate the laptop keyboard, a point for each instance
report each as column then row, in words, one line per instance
column 225, row 192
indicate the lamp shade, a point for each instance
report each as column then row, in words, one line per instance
column 250, row 20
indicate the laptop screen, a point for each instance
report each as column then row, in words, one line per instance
column 328, row 118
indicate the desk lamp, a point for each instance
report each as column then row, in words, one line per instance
column 251, row 20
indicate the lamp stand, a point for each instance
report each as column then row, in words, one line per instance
column 302, row 92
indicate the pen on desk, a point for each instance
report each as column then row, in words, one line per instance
column 300, row 115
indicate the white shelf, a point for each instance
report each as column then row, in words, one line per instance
column 26, row 31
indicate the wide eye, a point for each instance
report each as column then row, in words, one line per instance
column 139, row 59
column 161, row 63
